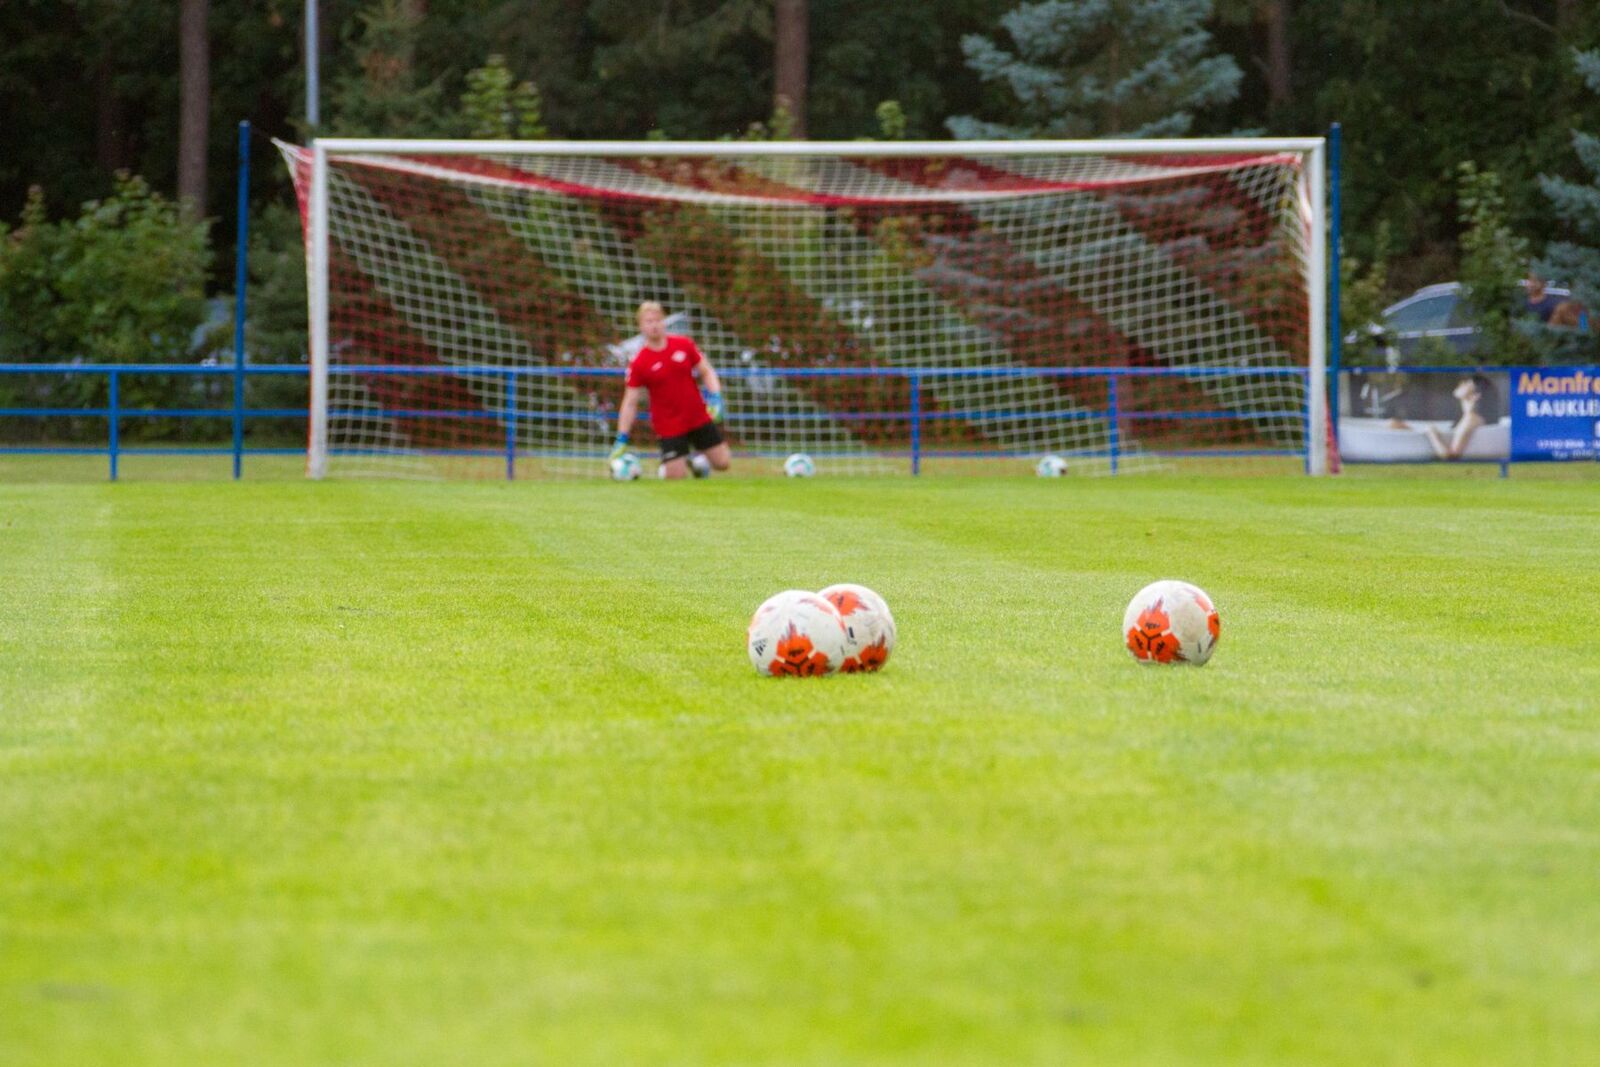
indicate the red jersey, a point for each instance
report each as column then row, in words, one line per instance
column 676, row 406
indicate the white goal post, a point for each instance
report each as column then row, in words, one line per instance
column 883, row 306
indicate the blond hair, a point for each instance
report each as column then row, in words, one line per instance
column 650, row 305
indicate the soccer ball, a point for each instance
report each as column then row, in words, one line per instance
column 799, row 465
column 795, row 633
column 1171, row 622
column 625, row 468
column 868, row 626
column 1051, row 467
column 699, row 466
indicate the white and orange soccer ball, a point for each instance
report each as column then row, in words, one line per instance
column 796, row 633
column 869, row 627
column 1171, row 622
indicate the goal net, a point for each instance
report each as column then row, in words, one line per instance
column 882, row 307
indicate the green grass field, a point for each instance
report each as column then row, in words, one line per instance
column 480, row 774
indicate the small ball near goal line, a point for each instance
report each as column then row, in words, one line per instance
column 625, row 468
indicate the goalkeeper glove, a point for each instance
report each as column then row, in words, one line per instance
column 713, row 405
column 619, row 447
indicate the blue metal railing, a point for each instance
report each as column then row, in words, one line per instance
column 114, row 411
column 915, row 415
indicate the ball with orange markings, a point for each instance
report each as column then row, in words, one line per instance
column 869, row 626
column 1171, row 622
column 796, row 633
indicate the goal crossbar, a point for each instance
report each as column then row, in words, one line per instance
column 853, row 149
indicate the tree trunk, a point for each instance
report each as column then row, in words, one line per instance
column 791, row 40
column 1279, row 91
column 194, row 102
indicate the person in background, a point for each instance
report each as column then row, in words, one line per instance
column 684, row 393
column 1571, row 315
column 1541, row 304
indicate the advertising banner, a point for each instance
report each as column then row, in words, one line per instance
column 1414, row 415
column 1555, row 413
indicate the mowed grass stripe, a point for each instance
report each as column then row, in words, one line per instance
column 344, row 648
column 423, row 773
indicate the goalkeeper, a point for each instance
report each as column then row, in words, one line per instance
column 685, row 397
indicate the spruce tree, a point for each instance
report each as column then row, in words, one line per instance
column 1092, row 68
column 1577, row 262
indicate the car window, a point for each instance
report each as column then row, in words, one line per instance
column 1431, row 313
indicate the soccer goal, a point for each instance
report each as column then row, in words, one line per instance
column 881, row 307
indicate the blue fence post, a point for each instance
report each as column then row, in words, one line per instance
column 112, row 418
column 916, row 424
column 241, row 260
column 511, row 425
column 1114, row 414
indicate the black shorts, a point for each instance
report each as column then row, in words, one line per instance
column 706, row 435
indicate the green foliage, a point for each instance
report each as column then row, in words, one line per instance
column 88, row 87
column 496, row 105
column 1576, row 261
column 385, row 95
column 120, row 283
column 694, row 68
column 779, row 126
column 1364, row 292
column 891, row 121
column 277, row 328
column 864, row 52
column 1493, row 261
column 1437, row 352
column 1136, row 68
column 1364, row 289
column 1421, row 87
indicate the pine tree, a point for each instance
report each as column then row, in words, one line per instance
column 384, row 96
column 1132, row 68
column 1579, row 206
